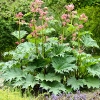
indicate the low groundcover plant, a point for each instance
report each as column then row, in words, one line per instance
column 54, row 64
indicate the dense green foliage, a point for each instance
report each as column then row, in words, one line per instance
column 6, row 40
column 93, row 23
column 8, row 9
column 59, row 4
column 51, row 62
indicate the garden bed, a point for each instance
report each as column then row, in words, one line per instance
column 7, row 94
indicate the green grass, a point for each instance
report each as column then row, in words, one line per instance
column 11, row 94
column 7, row 94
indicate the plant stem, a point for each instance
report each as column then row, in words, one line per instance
column 43, row 49
column 79, row 59
column 19, row 32
column 62, row 40
column 36, row 44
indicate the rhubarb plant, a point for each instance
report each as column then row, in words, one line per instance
column 56, row 64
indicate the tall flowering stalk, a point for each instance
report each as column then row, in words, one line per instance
column 37, row 9
column 34, row 32
column 69, row 21
column 66, row 18
column 35, row 6
column 19, row 17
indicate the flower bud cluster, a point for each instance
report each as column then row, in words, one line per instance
column 22, row 40
column 69, row 7
column 19, row 15
column 74, row 36
column 70, row 15
column 83, row 17
column 74, row 23
column 40, row 14
column 66, row 18
column 20, row 21
column 36, row 8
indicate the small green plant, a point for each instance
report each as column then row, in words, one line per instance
column 53, row 64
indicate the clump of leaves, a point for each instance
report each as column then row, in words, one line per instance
column 52, row 63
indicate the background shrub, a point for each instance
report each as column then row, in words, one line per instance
column 8, row 9
column 93, row 24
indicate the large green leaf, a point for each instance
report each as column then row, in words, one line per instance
column 24, row 50
column 49, row 45
column 30, row 81
column 30, row 67
column 94, row 70
column 93, row 82
column 47, row 31
column 19, row 36
column 64, row 64
column 54, row 87
column 40, row 62
column 75, row 83
column 9, row 64
column 59, row 50
column 27, row 81
column 14, row 73
column 87, row 60
column 48, row 77
column 19, row 83
column 88, row 41
column 53, row 40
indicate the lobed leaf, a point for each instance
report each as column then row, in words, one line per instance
column 13, row 73
column 16, row 34
column 24, row 51
column 64, row 64
column 29, row 81
column 9, row 64
column 75, row 83
column 47, row 31
column 54, row 87
column 94, row 70
column 60, row 49
column 88, row 41
column 48, row 77
column 93, row 82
